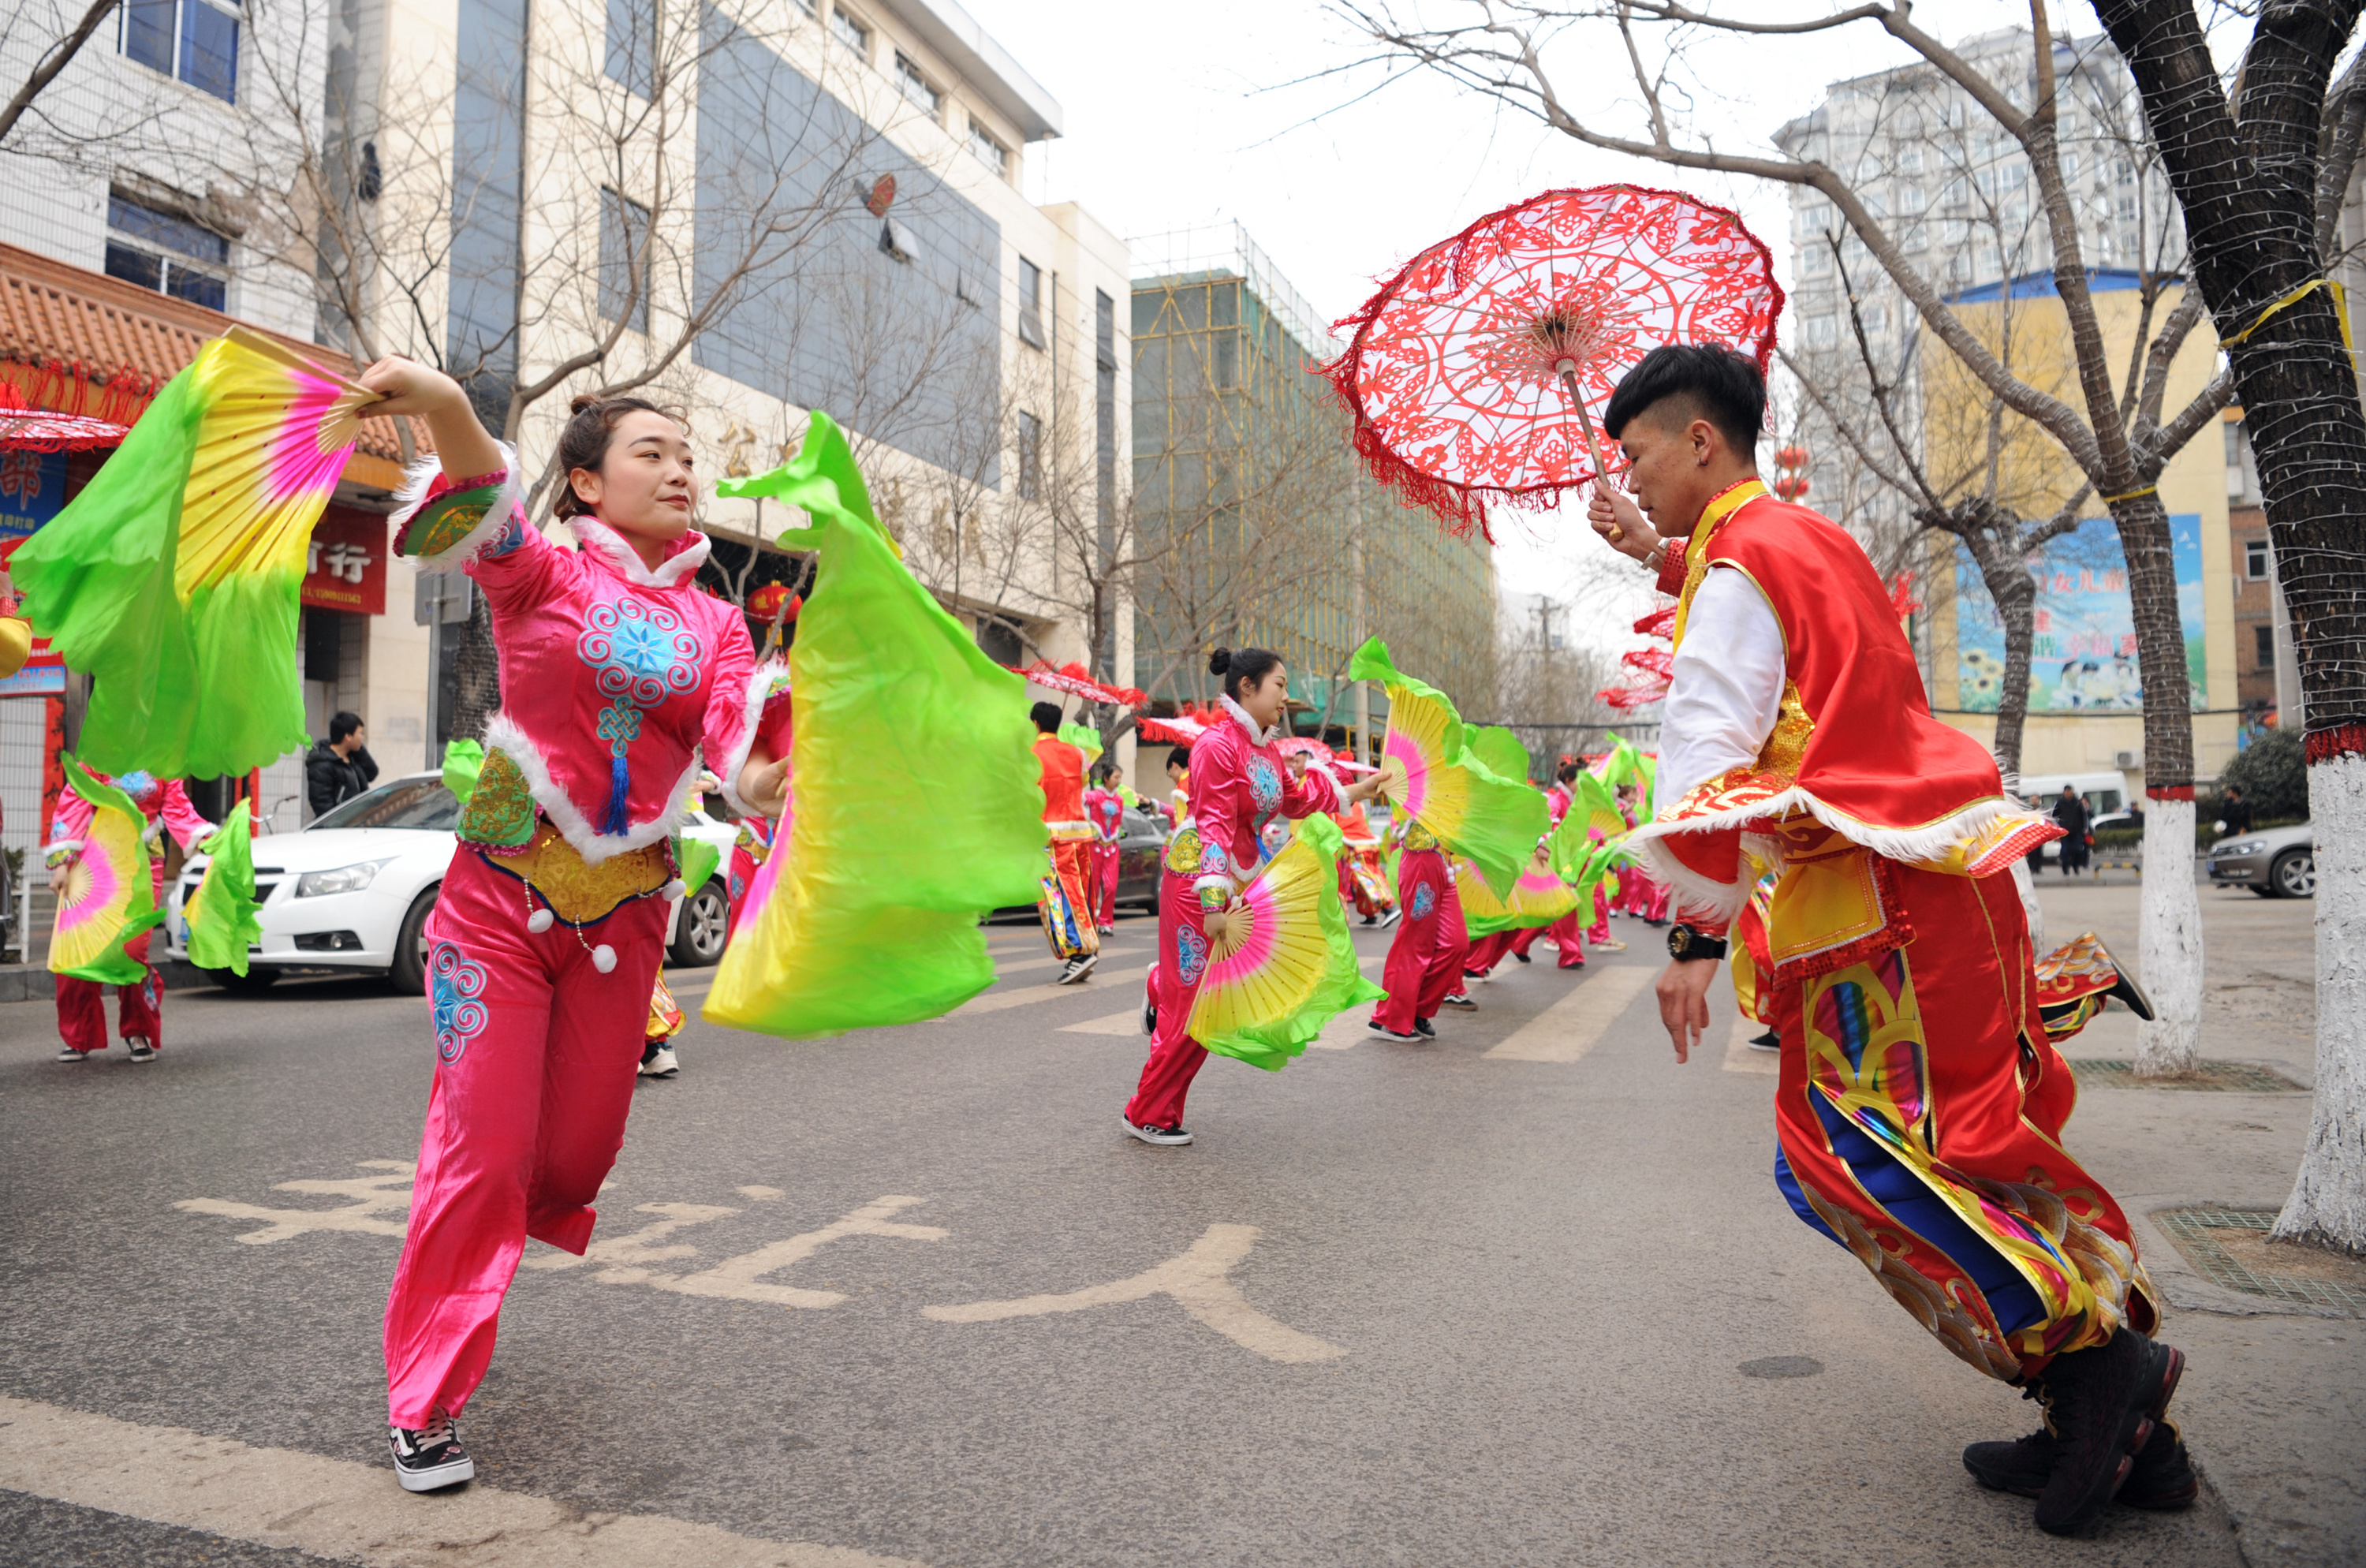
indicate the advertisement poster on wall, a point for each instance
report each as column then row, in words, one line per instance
column 2083, row 642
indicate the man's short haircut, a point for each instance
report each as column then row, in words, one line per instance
column 344, row 724
column 1181, row 756
column 1715, row 384
column 1046, row 716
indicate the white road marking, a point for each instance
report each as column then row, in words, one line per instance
column 1126, row 1022
column 353, row 1513
column 1741, row 1059
column 1353, row 1027
column 623, row 1257
column 1570, row 1028
column 1001, row 969
column 1024, row 996
column 740, row 1279
column 384, row 1201
column 1198, row 1280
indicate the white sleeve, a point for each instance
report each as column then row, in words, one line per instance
column 1726, row 687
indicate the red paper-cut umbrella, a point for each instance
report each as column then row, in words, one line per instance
column 1477, row 374
column 28, row 429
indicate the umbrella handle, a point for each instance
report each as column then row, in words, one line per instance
column 1592, row 445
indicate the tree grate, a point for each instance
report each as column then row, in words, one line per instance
column 2234, row 1077
column 2211, row 1237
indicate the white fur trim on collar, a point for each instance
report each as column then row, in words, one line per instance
column 677, row 568
column 408, row 500
column 1241, row 717
column 760, row 691
column 504, row 734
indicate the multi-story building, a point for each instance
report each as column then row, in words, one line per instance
column 747, row 211
column 1256, row 524
column 1955, row 195
column 130, row 232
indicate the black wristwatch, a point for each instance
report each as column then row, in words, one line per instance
column 1685, row 943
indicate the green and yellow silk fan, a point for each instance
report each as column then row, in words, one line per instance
column 1430, row 772
column 172, row 577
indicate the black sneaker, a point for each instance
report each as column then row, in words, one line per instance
column 1385, row 1032
column 430, row 1458
column 1770, row 1040
column 2101, row 1405
column 68, row 1053
column 1078, row 968
column 1149, row 1017
column 1521, row 958
column 1424, row 1028
column 1164, row 1137
column 1392, row 918
column 140, row 1050
column 658, row 1060
column 1461, row 1000
column 2162, row 1476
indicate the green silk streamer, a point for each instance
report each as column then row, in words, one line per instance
column 1501, row 751
column 463, row 760
column 919, row 807
column 221, row 912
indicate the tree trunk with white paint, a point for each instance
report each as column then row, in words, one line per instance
column 2169, row 943
column 2328, row 1198
column 2258, row 187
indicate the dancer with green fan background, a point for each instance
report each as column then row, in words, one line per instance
column 1270, row 945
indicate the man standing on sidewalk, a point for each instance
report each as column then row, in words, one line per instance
column 338, row 769
column 1920, row 1104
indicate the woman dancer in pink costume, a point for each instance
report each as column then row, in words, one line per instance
column 1239, row 783
column 617, row 677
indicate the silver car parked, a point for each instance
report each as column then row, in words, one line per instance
column 2275, row 862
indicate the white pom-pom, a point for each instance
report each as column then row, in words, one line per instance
column 539, row 921
column 673, row 889
column 604, row 958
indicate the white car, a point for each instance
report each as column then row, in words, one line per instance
column 352, row 890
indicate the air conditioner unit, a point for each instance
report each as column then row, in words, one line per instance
column 2127, row 761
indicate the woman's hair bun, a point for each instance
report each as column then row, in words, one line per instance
column 583, row 401
column 1221, row 661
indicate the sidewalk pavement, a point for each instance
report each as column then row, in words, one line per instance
column 2270, row 1403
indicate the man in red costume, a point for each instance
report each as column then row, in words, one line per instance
column 1070, row 928
column 1920, row 1103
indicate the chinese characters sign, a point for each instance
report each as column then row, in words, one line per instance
column 346, row 566
column 2083, row 647
column 32, row 490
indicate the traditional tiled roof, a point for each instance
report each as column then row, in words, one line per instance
column 79, row 341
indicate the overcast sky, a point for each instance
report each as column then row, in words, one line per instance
column 1180, row 114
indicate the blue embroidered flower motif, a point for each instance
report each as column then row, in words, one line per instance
column 1190, row 956
column 1265, row 785
column 1425, row 899
column 453, row 985
column 641, row 654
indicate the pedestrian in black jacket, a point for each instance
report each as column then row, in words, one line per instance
column 2071, row 813
column 341, row 767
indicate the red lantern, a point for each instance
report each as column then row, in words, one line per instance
column 1791, row 457
column 1791, row 487
column 773, row 603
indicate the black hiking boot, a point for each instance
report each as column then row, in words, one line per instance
column 2162, row 1476
column 2101, row 1405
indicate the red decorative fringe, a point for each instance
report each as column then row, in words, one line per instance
column 2342, row 740
column 1463, row 508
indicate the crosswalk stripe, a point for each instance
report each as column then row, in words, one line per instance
column 1022, row 996
column 1741, row 1059
column 350, row 1512
column 1569, row 1029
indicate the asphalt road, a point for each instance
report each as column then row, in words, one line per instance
column 1399, row 1304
